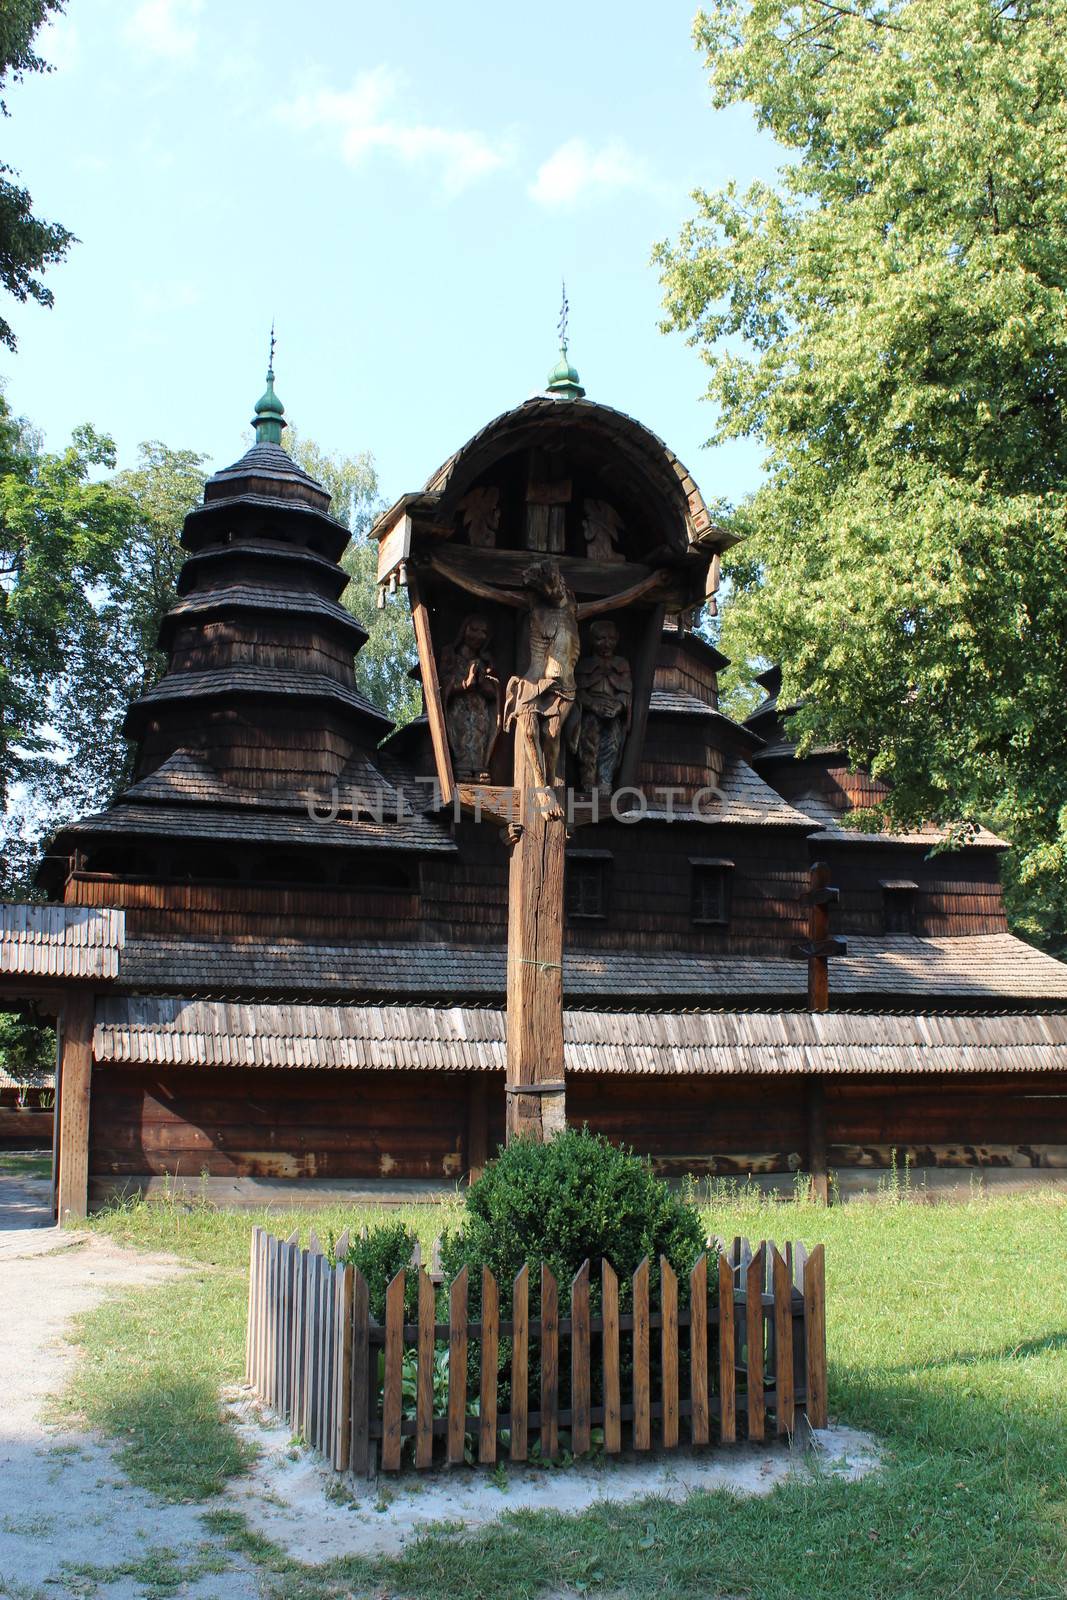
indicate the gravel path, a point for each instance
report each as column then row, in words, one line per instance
column 69, row 1520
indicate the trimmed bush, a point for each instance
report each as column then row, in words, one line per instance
column 577, row 1198
column 380, row 1256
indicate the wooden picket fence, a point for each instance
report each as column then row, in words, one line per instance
column 663, row 1376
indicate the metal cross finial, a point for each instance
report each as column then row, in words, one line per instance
column 270, row 359
column 564, row 312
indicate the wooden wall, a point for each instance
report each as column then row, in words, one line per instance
column 277, row 1124
column 958, row 892
column 346, row 1125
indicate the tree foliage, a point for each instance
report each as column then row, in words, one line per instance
column 383, row 664
column 88, row 573
column 61, row 537
column 27, row 245
column 889, row 320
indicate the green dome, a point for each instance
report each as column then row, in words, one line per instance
column 269, row 419
column 563, row 379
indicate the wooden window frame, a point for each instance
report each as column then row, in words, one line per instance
column 898, row 894
column 724, row 868
column 601, row 859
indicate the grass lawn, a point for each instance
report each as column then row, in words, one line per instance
column 948, row 1339
column 26, row 1163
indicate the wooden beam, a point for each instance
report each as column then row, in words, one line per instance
column 431, row 689
column 477, row 1125
column 816, row 1112
column 818, row 967
column 644, row 670
column 73, row 1089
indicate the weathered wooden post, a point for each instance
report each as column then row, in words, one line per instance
column 820, row 946
column 536, row 1092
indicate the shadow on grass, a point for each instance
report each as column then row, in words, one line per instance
column 966, row 1505
column 1049, row 1344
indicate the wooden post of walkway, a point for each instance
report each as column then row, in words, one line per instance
column 536, row 1095
column 72, row 1092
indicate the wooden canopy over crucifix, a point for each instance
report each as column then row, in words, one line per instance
column 539, row 563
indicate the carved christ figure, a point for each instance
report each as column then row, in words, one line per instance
column 470, row 693
column 539, row 700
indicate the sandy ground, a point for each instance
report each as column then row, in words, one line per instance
column 286, row 1496
column 71, row 1524
column 65, row 1504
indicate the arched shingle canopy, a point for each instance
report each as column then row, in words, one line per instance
column 640, row 466
column 639, row 460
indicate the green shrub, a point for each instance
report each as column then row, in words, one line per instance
column 577, row 1198
column 380, row 1256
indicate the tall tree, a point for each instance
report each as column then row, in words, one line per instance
column 383, row 664
column 27, row 245
column 889, row 320
column 88, row 573
column 114, row 654
column 61, row 536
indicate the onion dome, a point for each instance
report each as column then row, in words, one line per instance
column 563, row 379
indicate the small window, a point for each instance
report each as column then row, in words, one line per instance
column 712, row 886
column 898, row 906
column 587, row 887
column 373, row 875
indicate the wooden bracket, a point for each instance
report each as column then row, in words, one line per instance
column 834, row 945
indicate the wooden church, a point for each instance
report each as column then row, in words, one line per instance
column 306, row 950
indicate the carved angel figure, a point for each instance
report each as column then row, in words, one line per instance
column 605, row 700
column 472, row 698
column 601, row 527
column 480, row 509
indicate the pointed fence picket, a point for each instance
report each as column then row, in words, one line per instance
column 677, row 1369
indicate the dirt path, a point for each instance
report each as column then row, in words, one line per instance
column 70, row 1523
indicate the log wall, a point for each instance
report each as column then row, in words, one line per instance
column 413, row 1125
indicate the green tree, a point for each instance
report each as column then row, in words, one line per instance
column 27, row 245
column 383, row 664
column 114, row 654
column 61, row 537
column 90, row 571
column 889, row 320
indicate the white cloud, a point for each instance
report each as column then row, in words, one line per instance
column 368, row 119
column 165, row 28
column 577, row 170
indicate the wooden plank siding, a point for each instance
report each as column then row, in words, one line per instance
column 151, row 1122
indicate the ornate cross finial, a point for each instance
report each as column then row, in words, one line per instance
column 269, row 419
column 563, row 379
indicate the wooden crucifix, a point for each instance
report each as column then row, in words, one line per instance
column 538, row 705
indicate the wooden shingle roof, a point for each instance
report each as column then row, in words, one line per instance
column 254, row 597
column 259, row 681
column 211, row 1033
column 60, row 941
column 984, row 969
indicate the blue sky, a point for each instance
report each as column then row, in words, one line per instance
column 400, row 186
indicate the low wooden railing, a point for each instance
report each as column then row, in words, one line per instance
column 746, row 1362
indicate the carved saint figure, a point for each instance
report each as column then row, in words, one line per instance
column 470, row 693
column 539, row 699
column 480, row 509
column 601, row 527
column 605, row 697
